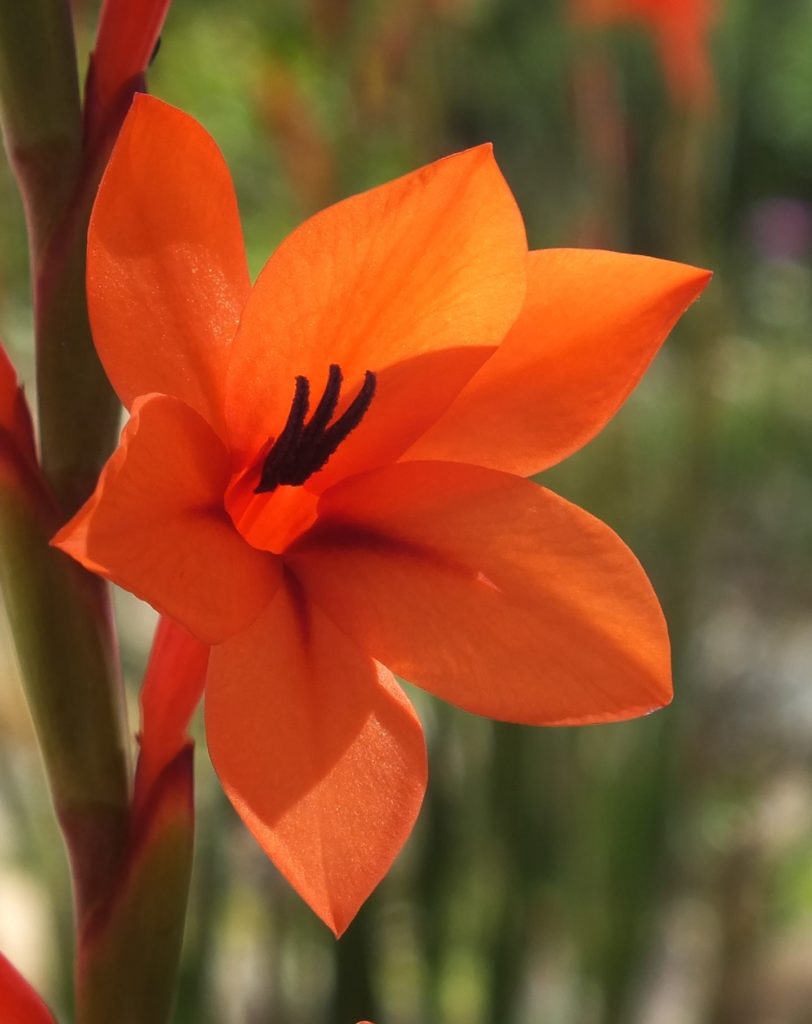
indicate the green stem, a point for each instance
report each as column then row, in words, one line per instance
column 42, row 127
column 42, row 121
column 130, row 872
column 354, row 957
column 59, row 614
column 130, row 947
column 61, row 623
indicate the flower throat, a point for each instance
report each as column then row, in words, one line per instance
column 301, row 449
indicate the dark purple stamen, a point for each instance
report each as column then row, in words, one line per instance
column 302, row 448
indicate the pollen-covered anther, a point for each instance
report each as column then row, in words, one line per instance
column 302, row 448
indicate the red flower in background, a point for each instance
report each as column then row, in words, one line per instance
column 680, row 29
column 322, row 478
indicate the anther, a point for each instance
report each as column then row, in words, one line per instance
column 302, row 449
column 283, row 453
column 323, row 413
column 332, row 437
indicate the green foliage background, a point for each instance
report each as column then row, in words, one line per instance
column 656, row 872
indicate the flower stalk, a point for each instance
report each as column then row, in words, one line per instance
column 42, row 126
column 60, row 618
column 130, row 947
column 130, row 863
column 61, row 626
column 39, row 98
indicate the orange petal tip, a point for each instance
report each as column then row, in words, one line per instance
column 331, row 789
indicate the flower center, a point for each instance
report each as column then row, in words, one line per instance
column 301, row 449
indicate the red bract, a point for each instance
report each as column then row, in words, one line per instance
column 127, row 35
column 172, row 688
column 16, row 431
column 19, row 1003
column 322, row 478
column 142, row 918
column 18, row 459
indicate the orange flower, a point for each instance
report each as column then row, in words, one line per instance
column 322, row 477
column 680, row 29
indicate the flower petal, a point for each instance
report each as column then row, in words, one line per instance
column 434, row 261
column 166, row 274
column 591, row 324
column 319, row 751
column 126, row 37
column 19, row 1003
column 173, row 685
column 156, row 525
column 490, row 592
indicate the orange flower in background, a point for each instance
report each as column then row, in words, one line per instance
column 680, row 29
column 322, row 478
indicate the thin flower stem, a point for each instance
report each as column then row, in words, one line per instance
column 130, row 866
column 42, row 128
column 60, row 617
column 39, row 97
column 60, row 620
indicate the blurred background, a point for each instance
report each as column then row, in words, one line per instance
column 654, row 872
